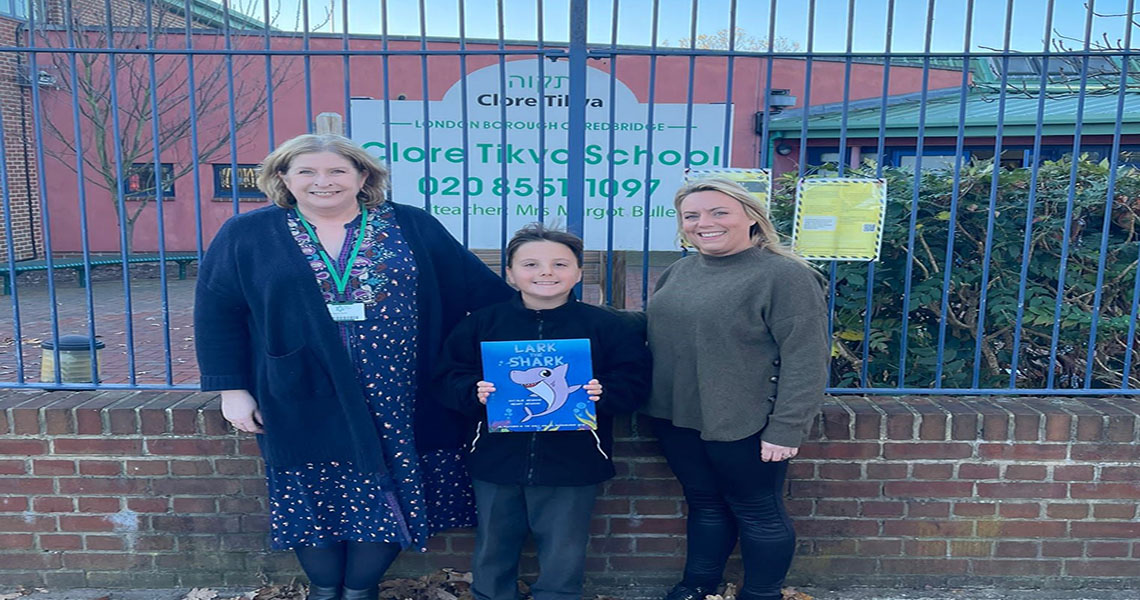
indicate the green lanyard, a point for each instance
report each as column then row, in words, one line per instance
column 341, row 280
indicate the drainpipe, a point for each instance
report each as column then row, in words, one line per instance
column 773, row 138
column 28, row 166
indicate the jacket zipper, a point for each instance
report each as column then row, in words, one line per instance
column 598, row 443
column 532, row 446
column 478, row 432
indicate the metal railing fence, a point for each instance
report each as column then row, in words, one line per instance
column 129, row 131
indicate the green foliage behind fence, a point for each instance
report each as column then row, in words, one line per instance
column 933, row 222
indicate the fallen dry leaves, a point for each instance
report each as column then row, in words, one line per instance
column 288, row 591
column 23, row 591
column 447, row 584
column 790, row 593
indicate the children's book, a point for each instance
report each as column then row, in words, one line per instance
column 538, row 385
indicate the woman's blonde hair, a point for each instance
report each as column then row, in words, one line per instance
column 762, row 233
column 269, row 180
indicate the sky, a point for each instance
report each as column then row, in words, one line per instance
column 829, row 33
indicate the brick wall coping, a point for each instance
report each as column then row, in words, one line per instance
column 846, row 418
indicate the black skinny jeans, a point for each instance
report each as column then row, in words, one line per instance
column 731, row 494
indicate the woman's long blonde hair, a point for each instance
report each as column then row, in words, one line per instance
column 762, row 233
column 371, row 195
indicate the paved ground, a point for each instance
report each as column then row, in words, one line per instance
column 816, row 594
column 152, row 322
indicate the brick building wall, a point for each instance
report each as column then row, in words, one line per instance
column 123, row 13
column 16, row 107
column 150, row 489
column 16, row 111
column 19, row 148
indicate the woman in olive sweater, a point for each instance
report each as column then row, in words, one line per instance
column 738, row 334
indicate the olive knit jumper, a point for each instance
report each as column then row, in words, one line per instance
column 739, row 346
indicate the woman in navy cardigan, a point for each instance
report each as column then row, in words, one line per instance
column 320, row 320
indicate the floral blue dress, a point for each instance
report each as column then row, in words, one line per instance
column 325, row 503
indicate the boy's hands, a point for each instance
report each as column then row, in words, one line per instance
column 593, row 389
column 482, row 390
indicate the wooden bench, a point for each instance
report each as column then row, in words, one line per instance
column 594, row 264
column 9, row 272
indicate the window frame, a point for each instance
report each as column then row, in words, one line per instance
column 143, row 168
column 10, row 9
column 222, row 193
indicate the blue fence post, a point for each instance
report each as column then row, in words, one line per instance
column 576, row 121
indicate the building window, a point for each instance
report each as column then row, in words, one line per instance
column 246, row 175
column 14, row 8
column 1061, row 68
column 139, row 183
column 931, row 161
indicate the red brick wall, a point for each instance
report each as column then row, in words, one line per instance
column 124, row 13
column 15, row 103
column 16, row 111
column 149, row 489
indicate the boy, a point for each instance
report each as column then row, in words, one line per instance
column 543, row 483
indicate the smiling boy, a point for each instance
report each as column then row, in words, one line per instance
column 541, row 483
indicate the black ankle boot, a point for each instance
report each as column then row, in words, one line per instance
column 317, row 592
column 372, row 593
column 683, row 592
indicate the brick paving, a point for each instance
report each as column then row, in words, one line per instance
column 148, row 319
column 108, row 311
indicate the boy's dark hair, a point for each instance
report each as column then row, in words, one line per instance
column 537, row 232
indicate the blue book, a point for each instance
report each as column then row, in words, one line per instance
column 538, row 385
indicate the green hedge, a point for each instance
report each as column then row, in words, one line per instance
column 935, row 201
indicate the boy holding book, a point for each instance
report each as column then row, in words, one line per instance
column 541, row 482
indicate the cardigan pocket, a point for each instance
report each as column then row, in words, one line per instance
column 296, row 375
column 272, row 356
column 296, row 383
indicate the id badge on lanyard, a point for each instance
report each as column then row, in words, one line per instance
column 342, row 311
column 346, row 311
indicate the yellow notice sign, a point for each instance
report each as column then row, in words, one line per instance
column 758, row 182
column 840, row 218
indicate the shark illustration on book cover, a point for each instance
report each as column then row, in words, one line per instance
column 538, row 385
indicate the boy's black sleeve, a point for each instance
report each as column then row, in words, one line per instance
column 623, row 366
column 460, row 368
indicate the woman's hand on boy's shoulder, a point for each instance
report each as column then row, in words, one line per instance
column 634, row 320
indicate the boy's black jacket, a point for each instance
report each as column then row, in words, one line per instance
column 620, row 363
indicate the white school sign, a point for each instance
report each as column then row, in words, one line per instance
column 644, row 157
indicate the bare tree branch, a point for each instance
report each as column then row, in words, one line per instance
column 153, row 114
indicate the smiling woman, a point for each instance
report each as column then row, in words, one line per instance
column 715, row 223
column 323, row 183
column 320, row 320
column 738, row 335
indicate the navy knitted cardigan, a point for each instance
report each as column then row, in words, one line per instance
column 261, row 325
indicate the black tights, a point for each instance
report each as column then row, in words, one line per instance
column 355, row 565
column 731, row 495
